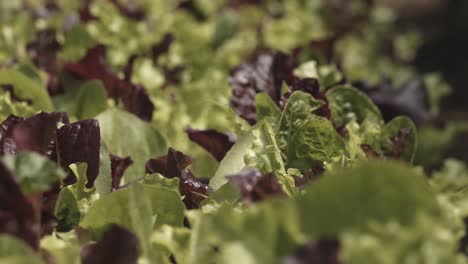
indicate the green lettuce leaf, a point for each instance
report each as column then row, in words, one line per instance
column 26, row 88
column 265, row 155
column 401, row 132
column 9, row 107
column 343, row 201
column 103, row 181
column 126, row 135
column 64, row 247
column 233, row 162
column 265, row 108
column 82, row 100
column 35, row 173
column 66, row 211
column 138, row 207
column 375, row 191
column 349, row 104
column 15, row 251
column 305, row 138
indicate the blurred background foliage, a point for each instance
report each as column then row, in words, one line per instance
column 393, row 40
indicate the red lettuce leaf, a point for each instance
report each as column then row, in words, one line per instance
column 130, row 9
column 19, row 214
column 254, row 186
column 156, row 165
column 309, row 176
column 117, row 245
column 48, row 220
column 216, row 143
column 79, row 142
column 193, row 9
column 324, row 251
column 265, row 72
column 162, row 47
column 399, row 142
column 174, row 165
column 36, row 133
column 43, row 51
column 325, row 46
column 93, row 66
column 172, row 76
column 85, row 12
column 118, row 167
column 7, row 143
column 239, row 3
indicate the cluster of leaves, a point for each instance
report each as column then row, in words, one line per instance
column 221, row 131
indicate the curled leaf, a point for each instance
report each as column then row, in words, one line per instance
column 36, row 133
column 174, row 165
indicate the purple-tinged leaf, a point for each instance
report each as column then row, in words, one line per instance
column 193, row 9
column 93, row 66
column 254, row 186
column 79, row 142
column 85, row 12
column 307, row 85
column 8, row 145
column 118, row 167
column 128, row 69
column 309, row 176
column 48, row 219
column 136, row 100
column 130, row 9
column 43, row 51
column 399, row 142
column 172, row 76
column 19, row 214
column 239, row 3
column 325, row 47
column 173, row 165
column 265, row 72
column 117, row 246
column 194, row 190
column 161, row 47
column 156, row 165
column 324, row 251
column 216, row 143
column 176, row 163
column 36, row 133
column 370, row 152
